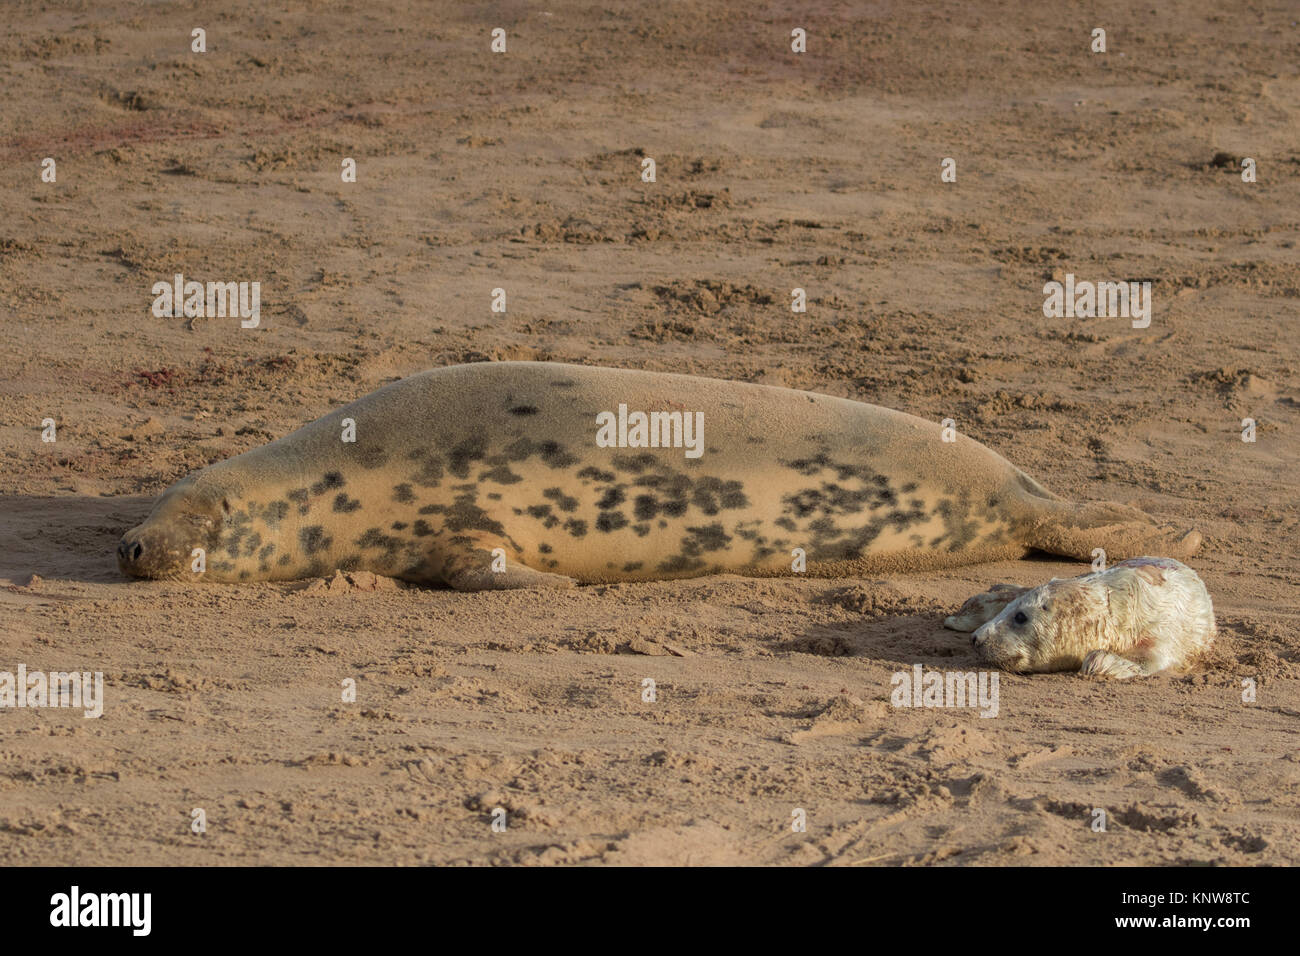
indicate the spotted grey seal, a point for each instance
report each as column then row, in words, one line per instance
column 521, row 474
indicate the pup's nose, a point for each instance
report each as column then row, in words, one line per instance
column 977, row 640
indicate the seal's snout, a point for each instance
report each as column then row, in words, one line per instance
column 130, row 556
column 145, row 553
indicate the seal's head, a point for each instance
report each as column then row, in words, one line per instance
column 1044, row 629
column 188, row 515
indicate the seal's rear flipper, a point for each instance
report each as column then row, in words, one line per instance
column 983, row 608
column 1077, row 530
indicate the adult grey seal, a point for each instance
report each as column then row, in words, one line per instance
column 522, row 474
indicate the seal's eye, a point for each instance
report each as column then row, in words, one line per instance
column 1020, row 618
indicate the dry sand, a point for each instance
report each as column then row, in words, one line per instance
column 521, row 171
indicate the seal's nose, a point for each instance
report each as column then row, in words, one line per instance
column 977, row 639
column 129, row 552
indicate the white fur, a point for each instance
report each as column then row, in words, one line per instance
column 1136, row 618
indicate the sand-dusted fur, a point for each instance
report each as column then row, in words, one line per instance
column 453, row 464
column 1136, row 618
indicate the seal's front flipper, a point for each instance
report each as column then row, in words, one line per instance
column 983, row 608
column 479, row 567
column 517, row 576
column 1106, row 664
column 1077, row 530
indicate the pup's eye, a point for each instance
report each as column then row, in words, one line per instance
column 1020, row 618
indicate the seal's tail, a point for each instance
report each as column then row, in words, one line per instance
column 1077, row 529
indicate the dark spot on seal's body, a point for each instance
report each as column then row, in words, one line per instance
column 562, row 501
column 501, row 475
column 544, row 548
column 430, row 473
column 645, row 507
column 432, row 509
column 329, row 481
column 459, row 458
column 399, row 526
column 673, row 509
column 576, row 527
column 707, row 538
column 641, row 530
column 960, row 530
column 518, row 450
column 370, row 457
column 403, row 494
column 314, row 539
column 524, row 410
column 564, row 383
column 300, row 496
column 712, row 495
column 612, row 498
column 375, row 538
column 556, row 455
column 284, row 559
column 422, row 529
column 634, row 463
column 539, row 511
column 465, row 515
column 595, row 474
column 809, row 466
column 237, row 528
column 344, row 504
column 266, row 552
column 275, row 512
column 351, row 563
column 610, row 521
column 679, row 563
column 632, row 566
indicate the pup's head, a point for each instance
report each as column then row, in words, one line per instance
column 1042, row 630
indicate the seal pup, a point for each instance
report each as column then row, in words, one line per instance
column 1136, row 618
column 534, row 474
